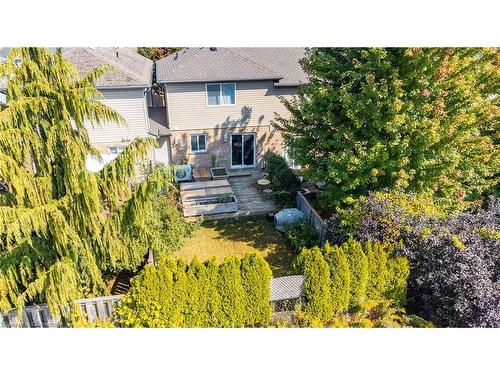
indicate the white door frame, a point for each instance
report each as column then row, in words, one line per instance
column 242, row 151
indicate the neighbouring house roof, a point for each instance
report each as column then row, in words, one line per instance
column 205, row 64
column 287, row 288
column 130, row 69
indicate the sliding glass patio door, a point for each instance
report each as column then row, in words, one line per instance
column 243, row 150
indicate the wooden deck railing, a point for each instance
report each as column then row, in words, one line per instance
column 39, row 316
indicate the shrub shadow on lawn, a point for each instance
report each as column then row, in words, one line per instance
column 260, row 234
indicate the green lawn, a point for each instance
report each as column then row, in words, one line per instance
column 237, row 237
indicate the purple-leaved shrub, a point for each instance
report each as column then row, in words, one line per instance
column 454, row 261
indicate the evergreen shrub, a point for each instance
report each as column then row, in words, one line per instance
column 358, row 268
column 340, row 277
column 176, row 294
column 317, row 285
column 344, row 278
column 284, row 181
column 301, row 235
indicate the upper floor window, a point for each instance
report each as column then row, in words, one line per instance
column 221, row 93
column 198, row 143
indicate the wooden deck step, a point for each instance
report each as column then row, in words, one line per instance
column 239, row 213
column 203, row 185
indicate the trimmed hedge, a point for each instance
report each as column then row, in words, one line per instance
column 175, row 294
column 255, row 278
column 377, row 270
column 213, row 300
column 344, row 277
column 358, row 268
column 317, row 284
column 192, row 312
column 340, row 277
column 231, row 293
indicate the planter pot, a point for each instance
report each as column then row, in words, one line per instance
column 219, row 173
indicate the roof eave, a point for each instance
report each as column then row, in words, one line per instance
column 289, row 84
column 145, row 86
column 221, row 80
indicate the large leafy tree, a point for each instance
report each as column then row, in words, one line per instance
column 157, row 53
column 418, row 119
column 61, row 226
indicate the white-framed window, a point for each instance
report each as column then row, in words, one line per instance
column 115, row 150
column 198, row 143
column 221, row 94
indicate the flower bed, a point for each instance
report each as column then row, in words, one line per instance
column 210, row 205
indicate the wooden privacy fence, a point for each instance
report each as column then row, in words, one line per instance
column 284, row 288
column 39, row 316
column 312, row 217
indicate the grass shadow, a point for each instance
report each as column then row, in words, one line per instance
column 255, row 233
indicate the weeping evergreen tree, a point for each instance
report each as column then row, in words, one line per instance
column 61, row 226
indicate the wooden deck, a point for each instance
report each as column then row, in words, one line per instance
column 204, row 189
column 251, row 201
column 204, row 198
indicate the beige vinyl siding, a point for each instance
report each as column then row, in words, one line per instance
column 131, row 105
column 256, row 102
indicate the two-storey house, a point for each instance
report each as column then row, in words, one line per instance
column 220, row 102
column 126, row 88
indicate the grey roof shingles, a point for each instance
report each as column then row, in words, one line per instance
column 287, row 288
column 282, row 60
column 130, row 69
column 205, row 64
